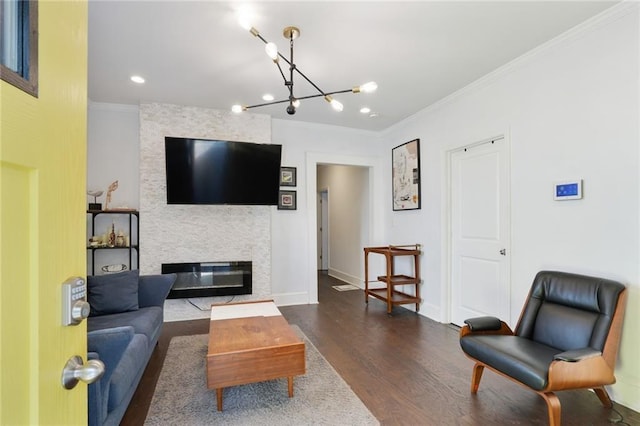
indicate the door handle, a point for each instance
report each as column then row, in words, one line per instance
column 503, row 252
column 74, row 371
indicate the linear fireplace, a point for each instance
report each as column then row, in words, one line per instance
column 209, row 279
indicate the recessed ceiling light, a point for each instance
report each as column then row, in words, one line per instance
column 267, row 97
column 137, row 79
column 365, row 110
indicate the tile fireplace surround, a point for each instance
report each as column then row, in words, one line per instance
column 202, row 233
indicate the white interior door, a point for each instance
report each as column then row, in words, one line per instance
column 480, row 231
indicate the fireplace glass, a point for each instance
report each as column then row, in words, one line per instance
column 209, row 279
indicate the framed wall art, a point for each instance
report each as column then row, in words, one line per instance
column 287, row 200
column 287, row 176
column 405, row 165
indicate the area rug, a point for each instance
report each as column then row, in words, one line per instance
column 320, row 397
column 182, row 310
column 191, row 308
column 345, row 287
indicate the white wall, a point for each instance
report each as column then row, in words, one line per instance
column 112, row 154
column 305, row 145
column 568, row 110
column 348, row 202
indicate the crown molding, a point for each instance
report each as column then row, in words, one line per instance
column 608, row 16
column 104, row 106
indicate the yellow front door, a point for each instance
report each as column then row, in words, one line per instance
column 42, row 223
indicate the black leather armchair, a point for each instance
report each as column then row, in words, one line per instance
column 567, row 338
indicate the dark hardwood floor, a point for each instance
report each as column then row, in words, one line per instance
column 407, row 369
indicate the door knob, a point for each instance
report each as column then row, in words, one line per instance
column 503, row 252
column 75, row 370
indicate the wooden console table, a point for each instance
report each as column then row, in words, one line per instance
column 388, row 293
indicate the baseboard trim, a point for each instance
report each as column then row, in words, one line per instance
column 347, row 278
column 288, row 299
column 626, row 391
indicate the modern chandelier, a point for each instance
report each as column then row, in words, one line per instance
column 291, row 33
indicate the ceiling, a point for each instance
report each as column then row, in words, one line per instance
column 196, row 53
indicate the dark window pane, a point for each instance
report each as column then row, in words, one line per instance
column 18, row 44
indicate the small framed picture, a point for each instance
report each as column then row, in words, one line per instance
column 287, row 200
column 287, row 176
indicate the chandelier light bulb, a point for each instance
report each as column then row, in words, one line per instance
column 246, row 15
column 237, row 108
column 369, row 87
column 272, row 50
column 244, row 23
column 296, row 103
column 335, row 104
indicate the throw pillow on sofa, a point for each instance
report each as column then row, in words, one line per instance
column 113, row 293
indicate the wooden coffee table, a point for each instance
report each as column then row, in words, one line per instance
column 251, row 342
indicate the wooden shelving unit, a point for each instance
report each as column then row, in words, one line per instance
column 388, row 293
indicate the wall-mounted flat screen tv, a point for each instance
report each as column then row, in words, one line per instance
column 201, row 171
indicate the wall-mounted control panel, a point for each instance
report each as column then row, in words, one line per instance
column 568, row 190
column 74, row 301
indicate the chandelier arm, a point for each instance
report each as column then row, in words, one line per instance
column 281, row 72
column 268, row 103
column 277, row 63
column 322, row 93
column 283, row 58
column 338, row 91
column 279, row 54
column 309, row 97
column 262, row 38
column 292, row 67
column 300, row 99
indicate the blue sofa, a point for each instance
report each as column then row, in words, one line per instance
column 122, row 330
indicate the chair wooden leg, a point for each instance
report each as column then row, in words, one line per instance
column 603, row 395
column 553, row 408
column 475, row 378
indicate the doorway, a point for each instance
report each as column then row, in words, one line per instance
column 374, row 224
column 323, row 230
column 345, row 222
column 479, row 238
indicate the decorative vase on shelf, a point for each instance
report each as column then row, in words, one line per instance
column 112, row 236
column 120, row 239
